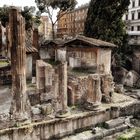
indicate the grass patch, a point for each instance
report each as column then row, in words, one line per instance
column 84, row 69
column 133, row 134
column 3, row 63
column 53, row 62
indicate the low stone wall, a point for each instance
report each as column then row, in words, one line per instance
column 57, row 128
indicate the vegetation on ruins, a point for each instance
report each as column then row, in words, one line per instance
column 104, row 21
column 132, row 134
column 27, row 13
column 51, row 6
column 4, row 15
column 30, row 19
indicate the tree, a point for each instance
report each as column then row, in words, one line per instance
column 4, row 15
column 27, row 13
column 62, row 6
column 104, row 21
column 30, row 18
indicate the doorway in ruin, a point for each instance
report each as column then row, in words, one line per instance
column 69, row 97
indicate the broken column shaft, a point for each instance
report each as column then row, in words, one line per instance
column 62, row 94
column 36, row 45
column 8, row 42
column 20, row 110
column 0, row 39
column 94, row 94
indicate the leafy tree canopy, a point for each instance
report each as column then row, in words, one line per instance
column 63, row 5
column 4, row 15
column 27, row 13
column 48, row 6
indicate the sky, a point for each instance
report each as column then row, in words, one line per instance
column 29, row 2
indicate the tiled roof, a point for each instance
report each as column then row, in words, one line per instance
column 91, row 41
column 28, row 44
column 31, row 49
column 56, row 42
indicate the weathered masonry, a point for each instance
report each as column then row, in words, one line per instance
column 20, row 108
column 88, row 52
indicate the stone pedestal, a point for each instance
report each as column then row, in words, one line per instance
column 94, row 95
column 107, row 87
column 62, row 95
column 20, row 108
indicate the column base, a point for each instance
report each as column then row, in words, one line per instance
column 92, row 106
column 62, row 114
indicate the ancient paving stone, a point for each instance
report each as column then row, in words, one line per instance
column 115, row 122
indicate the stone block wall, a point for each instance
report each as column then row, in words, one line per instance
column 52, row 84
column 83, row 88
column 57, row 128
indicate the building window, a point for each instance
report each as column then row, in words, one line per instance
column 132, row 28
column 126, row 16
column 138, row 28
column 139, row 15
column 133, row 4
column 133, row 16
column 139, row 2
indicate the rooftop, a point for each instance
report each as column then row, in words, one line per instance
column 92, row 42
column 55, row 42
column 29, row 47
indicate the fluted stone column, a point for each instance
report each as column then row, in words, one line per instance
column 107, row 87
column 8, row 41
column 94, row 94
column 36, row 45
column 20, row 107
column 62, row 95
column 0, row 39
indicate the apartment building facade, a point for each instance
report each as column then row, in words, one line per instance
column 72, row 23
column 132, row 19
column 45, row 27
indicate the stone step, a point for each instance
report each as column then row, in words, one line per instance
column 114, row 123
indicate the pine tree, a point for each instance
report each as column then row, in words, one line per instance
column 104, row 20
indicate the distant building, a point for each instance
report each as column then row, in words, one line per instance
column 72, row 23
column 132, row 18
column 45, row 27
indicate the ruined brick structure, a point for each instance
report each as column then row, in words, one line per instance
column 52, row 84
column 92, row 88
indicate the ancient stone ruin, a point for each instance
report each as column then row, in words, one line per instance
column 72, row 88
column 20, row 108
